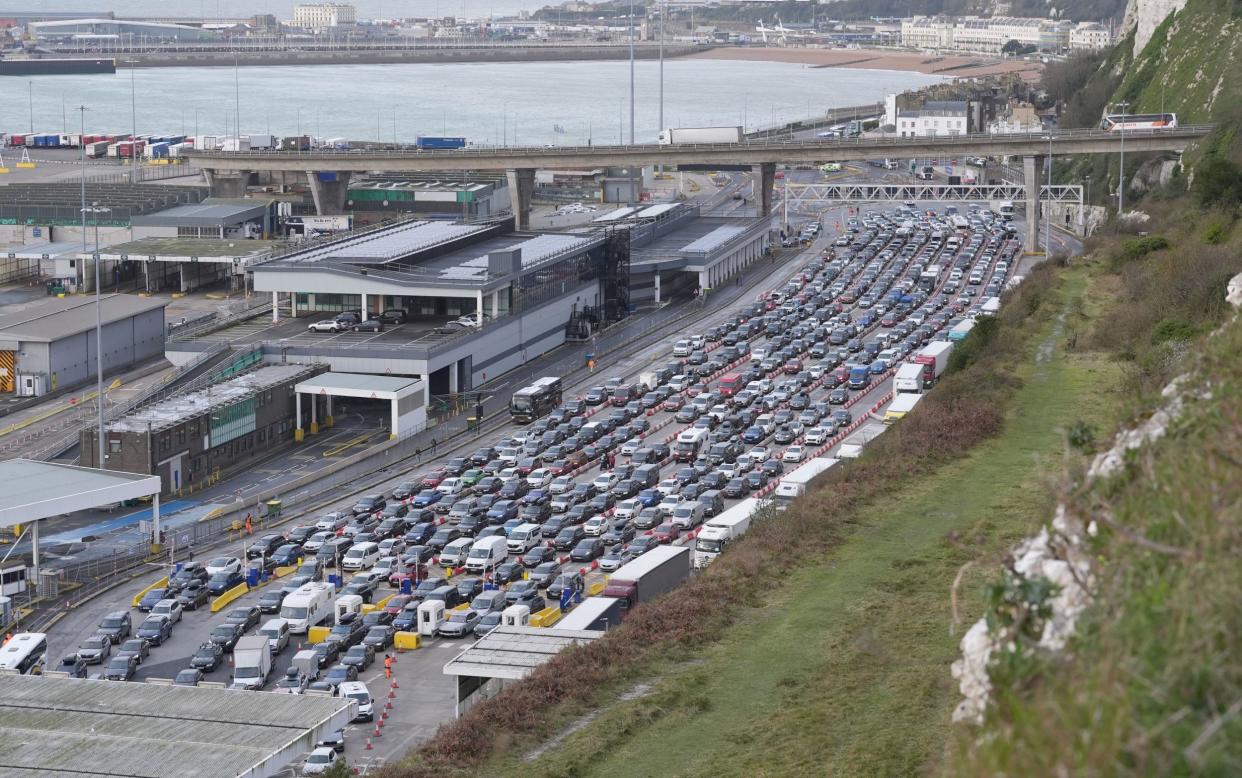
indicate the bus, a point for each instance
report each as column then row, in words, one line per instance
column 536, row 400
column 25, row 652
column 1116, row 122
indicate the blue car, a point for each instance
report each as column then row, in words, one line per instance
column 503, row 511
column 221, row 582
column 149, row 599
column 426, row 498
column 878, row 367
column 649, row 497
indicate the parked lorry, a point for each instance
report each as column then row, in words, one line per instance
column 679, row 135
column 990, row 307
column 720, row 530
column 594, row 613
column 794, row 485
column 909, row 378
column 649, row 379
column 435, row 142
column 252, row 662
column 660, row 570
column 961, row 330
column 902, row 404
column 852, row 447
column 935, row 358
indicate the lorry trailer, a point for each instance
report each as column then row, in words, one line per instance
column 679, row 135
column 935, row 358
column 593, row 613
column 720, row 530
column 795, row 484
column 909, row 378
column 660, row 570
column 435, row 142
column 252, row 662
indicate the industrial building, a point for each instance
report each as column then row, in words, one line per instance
column 524, row 293
column 50, row 345
column 673, row 248
column 78, row 29
column 193, row 436
column 477, row 196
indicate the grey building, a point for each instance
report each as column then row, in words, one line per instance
column 51, row 345
column 210, row 431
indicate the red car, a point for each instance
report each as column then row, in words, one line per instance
column 559, row 467
column 395, row 604
column 667, row 532
column 674, row 403
column 575, row 460
column 793, row 366
column 696, row 389
column 433, row 479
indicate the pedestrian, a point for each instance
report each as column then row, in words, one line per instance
column 418, row 455
column 433, row 446
column 249, row 526
column 388, row 666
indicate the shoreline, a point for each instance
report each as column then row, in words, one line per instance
column 947, row 66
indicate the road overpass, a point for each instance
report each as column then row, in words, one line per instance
column 328, row 171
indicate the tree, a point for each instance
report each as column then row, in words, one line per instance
column 1015, row 48
column 338, row 770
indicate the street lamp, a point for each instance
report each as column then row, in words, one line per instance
column 1048, row 217
column 1121, row 183
column 95, row 210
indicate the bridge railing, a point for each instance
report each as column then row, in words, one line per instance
column 553, row 152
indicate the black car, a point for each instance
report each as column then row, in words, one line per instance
column 270, row 601
column 538, row 555
column 569, row 537
column 246, row 616
column 588, row 549
column 755, row 479
column 370, row 325
column 360, row 656
column 380, row 636
column 191, row 676
column 264, row 546
column 339, row 674
column 348, row 632
column 369, row 504
column 74, row 665
column 735, row 488
column 327, row 651
column 566, row 581
column 121, row 668
column 225, row 635
column 116, row 626
column 508, row 572
column 155, row 630
column 208, row 657
column 545, row 573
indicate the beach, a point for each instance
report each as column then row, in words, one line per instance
column 951, row 66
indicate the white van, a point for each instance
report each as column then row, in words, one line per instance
column 681, row 348
column 455, row 553
column 277, row 633
column 361, row 555
column 486, row 554
column 524, row 537
column 358, row 692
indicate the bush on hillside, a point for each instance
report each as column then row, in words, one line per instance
column 1218, row 183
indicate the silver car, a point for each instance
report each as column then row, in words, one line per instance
column 95, row 649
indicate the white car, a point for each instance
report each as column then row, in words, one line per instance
column 561, row 484
column 682, row 348
column 391, row 546
column 450, row 487
column 327, row 325
column 668, row 486
column 170, row 608
column 794, row 454
column 678, row 383
column 605, row 481
column 759, row 454
column 539, row 478
column 630, row 446
column 669, row 504
column 224, row 564
column 316, row 541
column 698, row 341
column 596, row 526
column 320, row 761
column 816, row 436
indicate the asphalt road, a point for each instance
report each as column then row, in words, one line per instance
column 425, row 697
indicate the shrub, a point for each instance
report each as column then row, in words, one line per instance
column 1216, row 234
column 1081, row 436
column 1218, row 183
column 969, row 350
column 1137, row 248
column 1173, row 328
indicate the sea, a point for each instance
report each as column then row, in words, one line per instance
column 282, row 9
column 516, row 103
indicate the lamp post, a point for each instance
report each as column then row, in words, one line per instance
column 95, row 210
column 631, row 72
column 1121, row 183
column 1048, row 218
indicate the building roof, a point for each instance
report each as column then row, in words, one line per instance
column 45, row 250
column 39, row 490
column 212, row 212
column 181, row 249
column 385, row 244
column 514, row 652
column 57, row 726
column 183, row 407
column 380, row 387
column 61, row 318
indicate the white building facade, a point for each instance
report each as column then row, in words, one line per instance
column 1090, row 36
column 933, row 119
column 987, row 35
column 318, row 17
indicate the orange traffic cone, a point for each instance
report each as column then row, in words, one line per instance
column 369, row 744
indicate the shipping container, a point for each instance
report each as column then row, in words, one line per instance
column 263, row 141
column 679, row 135
column 435, row 142
column 97, row 149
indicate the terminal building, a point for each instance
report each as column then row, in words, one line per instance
column 191, row 437
column 50, row 345
column 673, row 248
column 520, row 293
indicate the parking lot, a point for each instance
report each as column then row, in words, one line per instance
column 855, row 304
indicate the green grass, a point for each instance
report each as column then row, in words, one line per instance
column 846, row 670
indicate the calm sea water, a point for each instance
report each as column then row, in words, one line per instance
column 530, row 102
column 282, row 9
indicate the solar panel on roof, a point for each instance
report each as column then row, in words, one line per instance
column 655, row 210
column 620, row 213
column 713, row 239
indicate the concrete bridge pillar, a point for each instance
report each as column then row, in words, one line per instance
column 1031, row 167
column 329, row 190
column 227, row 183
column 521, row 188
column 765, row 174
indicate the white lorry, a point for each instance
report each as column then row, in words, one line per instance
column 252, row 662
column 719, row 530
column 909, row 378
column 935, row 358
column 794, row 485
column 680, row 135
column 901, row 405
column 308, row 606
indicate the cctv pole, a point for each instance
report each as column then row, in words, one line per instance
column 631, row 72
column 1121, row 184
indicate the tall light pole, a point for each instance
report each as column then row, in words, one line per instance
column 663, row 13
column 1048, row 218
column 237, row 98
column 631, row 72
column 1121, row 183
column 82, row 162
column 133, row 116
column 95, row 210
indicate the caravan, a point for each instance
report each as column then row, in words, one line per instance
column 308, row 606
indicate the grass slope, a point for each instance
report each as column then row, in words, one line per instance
column 846, row 671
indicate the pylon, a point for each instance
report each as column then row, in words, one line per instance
column 380, row 723
column 376, row 733
column 394, row 684
column 369, row 744
column 388, row 704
